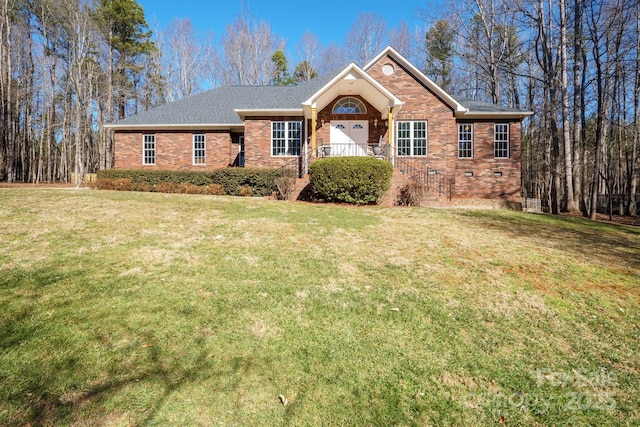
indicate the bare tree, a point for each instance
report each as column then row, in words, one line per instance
column 308, row 49
column 186, row 59
column 247, row 50
column 402, row 40
column 366, row 38
column 332, row 58
column 579, row 82
column 564, row 95
column 7, row 111
column 633, row 169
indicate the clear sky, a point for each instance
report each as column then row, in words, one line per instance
column 329, row 20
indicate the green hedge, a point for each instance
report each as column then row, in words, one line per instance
column 358, row 180
column 155, row 177
column 233, row 181
column 260, row 181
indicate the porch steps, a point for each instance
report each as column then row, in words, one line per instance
column 401, row 178
column 301, row 185
column 398, row 179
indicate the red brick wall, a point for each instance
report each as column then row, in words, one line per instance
column 423, row 104
column 484, row 183
column 174, row 150
column 257, row 137
column 420, row 103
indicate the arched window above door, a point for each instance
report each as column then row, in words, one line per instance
column 349, row 105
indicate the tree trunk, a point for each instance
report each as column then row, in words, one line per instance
column 633, row 185
column 564, row 93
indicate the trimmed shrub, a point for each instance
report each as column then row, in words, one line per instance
column 166, row 187
column 214, row 190
column 121, row 184
column 231, row 181
column 357, row 180
column 412, row 194
column 260, row 180
column 155, row 177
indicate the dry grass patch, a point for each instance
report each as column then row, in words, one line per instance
column 166, row 309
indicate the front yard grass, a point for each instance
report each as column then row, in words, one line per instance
column 162, row 309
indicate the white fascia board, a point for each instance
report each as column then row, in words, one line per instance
column 242, row 112
column 311, row 101
column 169, row 126
column 495, row 115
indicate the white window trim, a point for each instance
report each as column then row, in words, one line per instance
column 495, row 125
column 349, row 100
column 412, row 137
column 193, row 149
column 472, row 140
column 144, row 148
column 287, row 141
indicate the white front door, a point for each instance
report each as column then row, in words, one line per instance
column 349, row 137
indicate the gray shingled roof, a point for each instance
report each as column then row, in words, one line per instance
column 216, row 106
column 484, row 107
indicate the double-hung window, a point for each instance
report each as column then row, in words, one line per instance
column 501, row 141
column 148, row 149
column 199, row 149
column 286, row 138
column 412, row 138
column 465, row 140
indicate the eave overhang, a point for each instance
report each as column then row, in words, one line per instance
column 353, row 80
column 180, row 126
column 286, row 112
column 493, row 115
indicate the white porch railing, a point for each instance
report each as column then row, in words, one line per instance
column 352, row 149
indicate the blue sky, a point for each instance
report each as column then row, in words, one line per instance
column 329, row 20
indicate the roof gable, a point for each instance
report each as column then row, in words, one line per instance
column 353, row 80
column 462, row 108
column 418, row 75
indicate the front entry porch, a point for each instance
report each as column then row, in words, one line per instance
column 348, row 138
column 335, row 149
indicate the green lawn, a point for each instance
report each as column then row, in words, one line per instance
column 155, row 309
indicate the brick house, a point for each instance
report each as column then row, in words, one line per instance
column 388, row 109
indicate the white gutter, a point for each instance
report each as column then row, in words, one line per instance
column 165, row 126
column 494, row 115
column 243, row 112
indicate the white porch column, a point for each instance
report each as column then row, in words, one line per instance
column 392, row 156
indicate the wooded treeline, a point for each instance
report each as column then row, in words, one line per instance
column 69, row 66
column 575, row 64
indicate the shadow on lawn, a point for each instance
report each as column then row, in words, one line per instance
column 613, row 244
column 50, row 409
column 56, row 390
